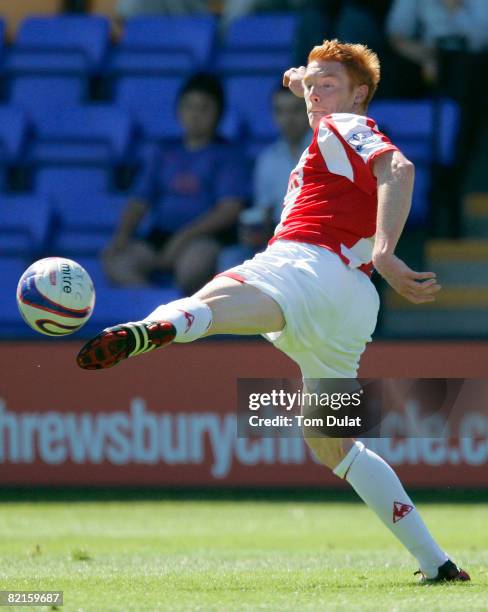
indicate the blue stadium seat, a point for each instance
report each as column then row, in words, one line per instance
column 270, row 30
column 409, row 124
column 426, row 130
column 58, row 181
column 85, row 222
column 250, row 97
column 60, row 44
column 152, row 104
column 24, row 225
column 88, row 134
column 39, row 96
column 13, row 131
column 261, row 43
column 166, row 44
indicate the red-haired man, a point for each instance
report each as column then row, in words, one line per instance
column 310, row 291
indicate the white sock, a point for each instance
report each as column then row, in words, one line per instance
column 190, row 316
column 380, row 488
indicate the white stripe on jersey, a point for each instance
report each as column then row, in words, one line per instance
column 360, row 253
column 294, row 187
column 360, row 136
column 333, row 152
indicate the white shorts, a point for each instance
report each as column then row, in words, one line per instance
column 330, row 309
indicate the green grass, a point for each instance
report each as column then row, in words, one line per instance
column 225, row 555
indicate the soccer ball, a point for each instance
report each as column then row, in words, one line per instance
column 55, row 296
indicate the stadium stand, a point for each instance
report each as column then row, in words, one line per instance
column 65, row 181
column 59, row 44
column 52, row 60
column 258, row 43
column 13, row 133
column 425, row 130
column 43, row 95
column 151, row 102
column 85, row 222
column 25, row 222
column 249, row 97
column 165, row 44
column 95, row 134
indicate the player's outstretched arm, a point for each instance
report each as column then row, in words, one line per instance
column 395, row 176
column 293, row 79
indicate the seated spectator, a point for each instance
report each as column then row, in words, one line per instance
column 449, row 40
column 271, row 174
column 422, row 31
column 192, row 193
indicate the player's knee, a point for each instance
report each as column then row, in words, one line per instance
column 329, row 451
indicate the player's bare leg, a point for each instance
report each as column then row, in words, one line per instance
column 238, row 308
column 380, row 488
column 223, row 306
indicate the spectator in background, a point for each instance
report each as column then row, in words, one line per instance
column 192, row 193
column 423, row 31
column 448, row 39
column 271, row 174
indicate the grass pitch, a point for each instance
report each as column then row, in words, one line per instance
column 230, row 555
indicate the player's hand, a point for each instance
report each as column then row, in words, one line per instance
column 416, row 287
column 293, row 79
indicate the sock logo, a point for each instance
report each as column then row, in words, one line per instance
column 400, row 511
column 189, row 319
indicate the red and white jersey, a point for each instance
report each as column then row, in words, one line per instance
column 332, row 198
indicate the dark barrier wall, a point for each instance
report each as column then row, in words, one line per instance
column 169, row 418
